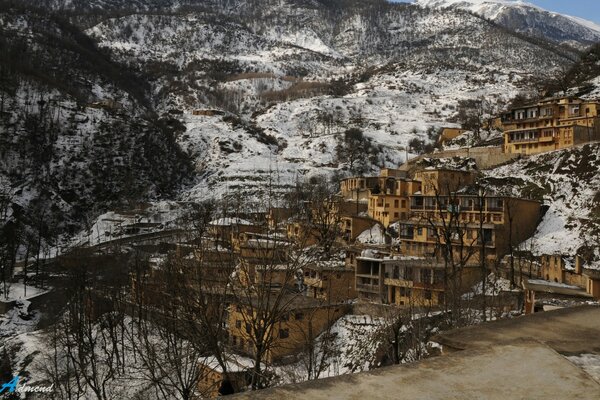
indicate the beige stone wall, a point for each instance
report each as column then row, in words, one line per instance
column 485, row 157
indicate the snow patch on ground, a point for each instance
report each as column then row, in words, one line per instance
column 590, row 363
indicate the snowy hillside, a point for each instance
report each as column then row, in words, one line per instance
column 420, row 63
column 568, row 182
column 528, row 19
column 275, row 84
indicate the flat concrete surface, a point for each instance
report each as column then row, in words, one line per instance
column 568, row 331
column 523, row 370
column 509, row 359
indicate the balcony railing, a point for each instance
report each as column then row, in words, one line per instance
column 398, row 282
column 367, row 288
column 524, row 140
column 316, row 282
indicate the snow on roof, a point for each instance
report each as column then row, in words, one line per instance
column 374, row 235
column 493, row 287
column 18, row 291
column 234, row 363
column 552, row 284
column 229, row 222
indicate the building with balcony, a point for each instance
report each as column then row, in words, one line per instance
column 401, row 280
column 550, row 124
column 497, row 222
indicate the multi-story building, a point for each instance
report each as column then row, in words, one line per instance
column 477, row 226
column 390, row 203
column 498, row 221
column 296, row 320
column 390, row 278
column 560, row 276
column 358, row 188
column 443, row 181
column 550, row 124
column 329, row 282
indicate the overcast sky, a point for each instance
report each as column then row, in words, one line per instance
column 588, row 9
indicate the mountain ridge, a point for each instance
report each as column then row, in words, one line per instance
column 529, row 19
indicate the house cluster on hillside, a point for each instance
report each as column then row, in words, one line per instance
column 419, row 237
column 550, row 124
column 408, row 239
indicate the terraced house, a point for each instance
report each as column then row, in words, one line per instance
column 464, row 229
column 551, row 124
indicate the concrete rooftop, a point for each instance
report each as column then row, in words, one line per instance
column 509, row 359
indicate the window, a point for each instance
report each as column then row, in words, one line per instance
column 396, row 203
column 426, row 275
column 427, row 295
column 284, row 333
column 248, row 328
column 238, row 324
column 285, row 317
column 299, row 316
column 438, row 276
column 234, row 340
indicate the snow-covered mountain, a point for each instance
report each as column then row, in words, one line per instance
column 528, row 19
column 394, row 71
column 276, row 84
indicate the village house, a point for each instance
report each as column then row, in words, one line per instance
column 299, row 319
column 390, row 278
column 278, row 217
column 265, row 262
column 223, row 230
column 330, row 282
column 500, row 222
column 352, row 226
column 415, row 273
column 551, row 124
column 562, row 277
column 390, row 203
column 213, row 381
column 359, row 188
column 215, row 265
column 448, row 134
column 323, row 220
column 443, row 181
